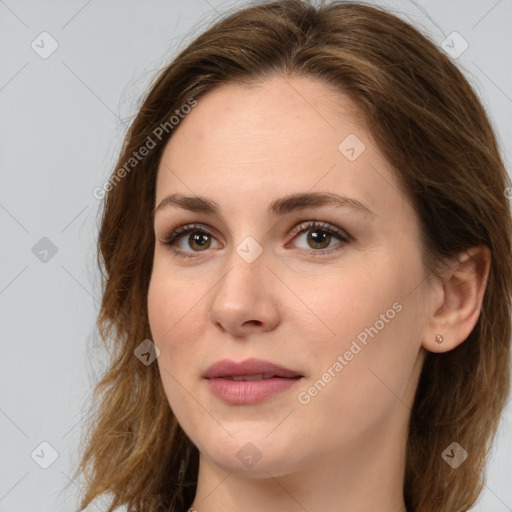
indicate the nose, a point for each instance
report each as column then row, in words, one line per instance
column 244, row 301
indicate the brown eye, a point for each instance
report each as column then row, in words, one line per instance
column 318, row 238
column 199, row 241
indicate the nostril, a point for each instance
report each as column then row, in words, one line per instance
column 252, row 322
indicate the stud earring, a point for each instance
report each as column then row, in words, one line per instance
column 439, row 338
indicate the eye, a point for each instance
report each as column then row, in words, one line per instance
column 319, row 235
column 199, row 239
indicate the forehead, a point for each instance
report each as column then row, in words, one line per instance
column 244, row 145
column 235, row 119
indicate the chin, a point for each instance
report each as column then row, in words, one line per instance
column 255, row 455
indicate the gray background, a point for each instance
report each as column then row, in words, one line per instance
column 62, row 122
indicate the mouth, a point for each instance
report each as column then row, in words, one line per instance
column 259, row 376
column 249, row 369
column 250, row 381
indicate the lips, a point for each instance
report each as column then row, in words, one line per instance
column 250, row 381
column 249, row 369
column 259, row 376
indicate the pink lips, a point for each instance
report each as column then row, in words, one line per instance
column 250, row 381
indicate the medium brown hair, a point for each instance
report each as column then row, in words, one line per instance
column 429, row 124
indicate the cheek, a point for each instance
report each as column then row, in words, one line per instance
column 342, row 305
column 166, row 314
column 369, row 319
column 161, row 313
column 177, row 319
column 168, row 305
column 172, row 301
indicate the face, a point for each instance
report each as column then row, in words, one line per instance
column 326, row 299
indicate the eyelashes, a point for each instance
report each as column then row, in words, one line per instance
column 172, row 239
column 201, row 236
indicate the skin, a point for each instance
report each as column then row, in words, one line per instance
column 243, row 146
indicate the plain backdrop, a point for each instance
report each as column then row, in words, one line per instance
column 71, row 75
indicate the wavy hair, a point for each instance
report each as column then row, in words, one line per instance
column 431, row 127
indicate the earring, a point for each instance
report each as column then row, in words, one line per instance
column 439, row 338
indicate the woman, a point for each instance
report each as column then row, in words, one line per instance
column 307, row 275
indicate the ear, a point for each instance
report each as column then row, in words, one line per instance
column 459, row 301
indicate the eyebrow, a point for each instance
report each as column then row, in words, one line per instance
column 280, row 206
